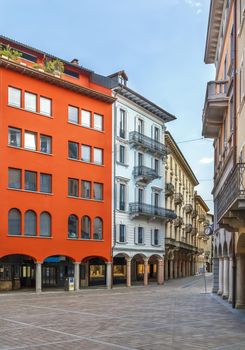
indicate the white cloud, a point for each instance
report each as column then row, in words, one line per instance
column 196, row 5
column 206, row 160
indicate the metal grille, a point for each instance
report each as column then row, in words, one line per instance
column 151, row 210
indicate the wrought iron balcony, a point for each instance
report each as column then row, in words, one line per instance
column 178, row 198
column 201, row 217
column 216, row 103
column 143, row 209
column 188, row 208
column 148, row 144
column 231, row 197
column 178, row 221
column 144, row 174
column 169, row 189
column 188, row 228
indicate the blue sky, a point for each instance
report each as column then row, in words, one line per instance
column 159, row 43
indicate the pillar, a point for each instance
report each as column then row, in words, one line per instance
column 175, row 268
column 215, row 275
column 226, row 278
column 145, row 272
column 77, row 275
column 109, row 275
column 179, row 268
column 128, row 260
column 160, row 271
column 183, row 268
column 187, row 268
column 166, row 270
column 230, row 279
column 221, row 275
column 240, row 286
column 38, row 277
column 171, row 269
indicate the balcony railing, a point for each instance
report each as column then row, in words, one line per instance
column 178, row 221
column 232, row 194
column 201, row 217
column 169, row 189
column 178, row 198
column 136, row 209
column 148, row 144
column 216, row 103
column 188, row 208
column 194, row 214
column 188, row 228
column 144, row 174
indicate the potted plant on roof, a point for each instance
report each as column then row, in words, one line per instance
column 9, row 53
column 38, row 66
column 55, row 67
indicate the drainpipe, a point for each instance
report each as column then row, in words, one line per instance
column 235, row 146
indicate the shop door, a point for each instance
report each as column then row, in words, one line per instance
column 27, row 276
column 49, row 276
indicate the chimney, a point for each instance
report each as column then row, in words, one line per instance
column 75, row 61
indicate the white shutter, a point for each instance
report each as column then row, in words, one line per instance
column 125, row 232
column 117, row 155
column 152, row 238
column 135, row 235
column 126, row 197
column 143, row 235
column 126, row 155
column 117, row 232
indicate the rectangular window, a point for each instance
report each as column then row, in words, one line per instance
column 14, row 178
column 122, row 233
column 122, row 154
column 30, row 140
column 156, row 237
column 231, row 114
column 98, row 191
column 140, row 235
column 30, row 180
column 156, row 200
column 122, row 195
column 14, row 137
column 140, row 126
column 73, row 187
column 98, row 156
column 30, row 102
column 156, row 166
column 45, row 183
column 45, row 106
column 14, row 97
column 140, row 159
column 140, row 195
column 156, row 134
column 45, row 144
column 98, row 122
column 86, row 189
column 73, row 150
column 86, row 118
column 86, row 153
column 122, row 124
column 73, row 114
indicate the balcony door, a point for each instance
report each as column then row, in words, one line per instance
column 140, row 196
column 140, row 159
column 139, row 125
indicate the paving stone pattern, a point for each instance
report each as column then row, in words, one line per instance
column 178, row 315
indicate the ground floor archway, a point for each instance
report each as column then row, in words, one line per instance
column 55, row 270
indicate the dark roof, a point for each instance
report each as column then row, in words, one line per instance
column 144, row 103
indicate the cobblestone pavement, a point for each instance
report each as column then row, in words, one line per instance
column 178, row 315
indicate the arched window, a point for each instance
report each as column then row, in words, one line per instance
column 30, row 223
column 14, row 222
column 45, row 224
column 98, row 228
column 86, row 224
column 72, row 226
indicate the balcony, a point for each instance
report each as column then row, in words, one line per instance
column 201, row 217
column 169, row 189
column 147, row 144
column 188, row 208
column 201, row 234
column 230, row 201
column 145, row 174
column 178, row 221
column 194, row 214
column 178, row 198
column 147, row 210
column 216, row 103
column 194, row 231
column 188, row 228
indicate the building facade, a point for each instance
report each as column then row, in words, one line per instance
column 139, row 197
column 223, row 120
column 55, row 183
column 182, row 244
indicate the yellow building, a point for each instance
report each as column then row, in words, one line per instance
column 181, row 241
column 224, row 121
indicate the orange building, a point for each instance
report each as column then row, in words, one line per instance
column 56, row 166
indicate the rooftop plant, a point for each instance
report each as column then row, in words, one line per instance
column 54, row 67
column 9, row 52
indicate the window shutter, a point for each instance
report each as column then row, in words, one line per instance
column 126, row 197
column 125, row 232
column 117, row 232
column 152, row 238
column 126, row 155
column 143, row 235
column 117, row 156
column 135, row 235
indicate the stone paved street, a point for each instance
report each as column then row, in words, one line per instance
column 175, row 316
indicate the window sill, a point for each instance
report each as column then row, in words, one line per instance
column 86, row 127
column 30, row 150
column 23, row 236
column 121, row 139
column 122, row 164
column 82, row 161
column 140, row 244
column 36, row 192
column 84, row 239
column 87, row 199
column 122, row 243
column 34, row 112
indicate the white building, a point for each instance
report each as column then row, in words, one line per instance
column 139, row 167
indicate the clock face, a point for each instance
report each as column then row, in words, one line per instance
column 208, row 231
